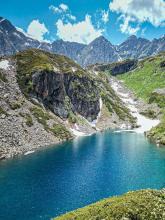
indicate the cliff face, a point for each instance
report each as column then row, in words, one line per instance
column 47, row 98
column 59, row 83
column 64, row 87
column 24, row 126
column 116, row 68
column 65, row 93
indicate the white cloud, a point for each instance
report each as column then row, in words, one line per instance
column 152, row 11
column 63, row 10
column 72, row 17
column 60, row 9
column 63, row 7
column 81, row 32
column 55, row 9
column 37, row 30
column 105, row 16
column 126, row 27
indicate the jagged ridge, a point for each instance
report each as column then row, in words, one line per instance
column 98, row 51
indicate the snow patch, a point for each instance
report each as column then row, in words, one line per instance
column 2, row 20
column 76, row 131
column 56, row 69
column 39, row 46
column 144, row 123
column 4, row 64
column 74, row 69
column 27, row 44
column 22, row 31
column 96, row 72
column 16, row 34
column 29, row 152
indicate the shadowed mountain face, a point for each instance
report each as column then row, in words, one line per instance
column 70, row 49
column 12, row 40
column 98, row 51
column 134, row 47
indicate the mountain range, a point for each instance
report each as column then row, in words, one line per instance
column 100, row 50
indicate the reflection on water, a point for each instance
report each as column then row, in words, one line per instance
column 77, row 173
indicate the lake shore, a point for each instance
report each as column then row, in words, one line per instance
column 134, row 105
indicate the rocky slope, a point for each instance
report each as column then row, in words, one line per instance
column 47, row 98
column 144, row 204
column 134, row 47
column 100, row 50
column 12, row 40
column 145, row 84
column 69, row 49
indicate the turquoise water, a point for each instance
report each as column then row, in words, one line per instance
column 76, row 173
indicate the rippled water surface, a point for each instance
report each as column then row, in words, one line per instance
column 71, row 175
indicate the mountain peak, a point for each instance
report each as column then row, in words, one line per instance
column 132, row 37
column 6, row 24
column 100, row 39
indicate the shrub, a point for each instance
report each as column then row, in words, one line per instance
column 15, row 105
column 41, row 116
column 138, row 205
column 60, row 131
column 29, row 120
column 3, row 77
column 2, row 111
column 72, row 118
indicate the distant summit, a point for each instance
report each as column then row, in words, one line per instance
column 99, row 50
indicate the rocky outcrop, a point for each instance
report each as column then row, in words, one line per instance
column 157, row 134
column 123, row 67
column 65, row 93
column 162, row 64
column 20, row 128
column 158, row 97
column 115, row 68
column 159, row 91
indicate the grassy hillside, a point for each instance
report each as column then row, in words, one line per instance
column 144, row 80
column 148, row 76
column 138, row 205
column 33, row 60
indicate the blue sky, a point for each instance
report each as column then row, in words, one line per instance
column 84, row 20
